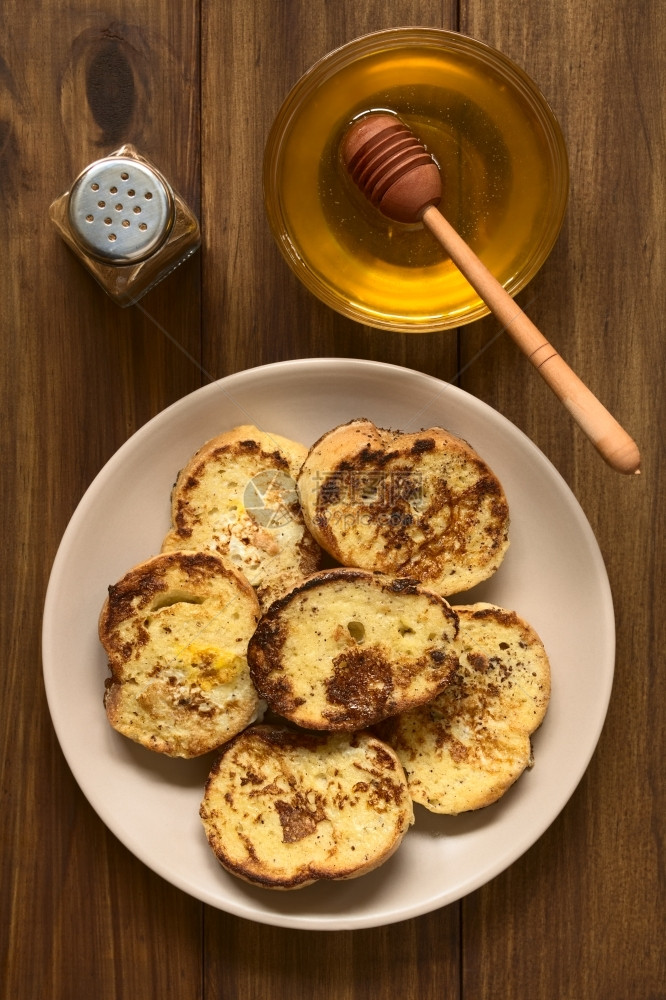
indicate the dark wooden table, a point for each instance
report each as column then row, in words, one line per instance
column 196, row 85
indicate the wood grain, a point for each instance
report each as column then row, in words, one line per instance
column 255, row 309
column 81, row 915
column 417, row 960
column 196, row 86
column 595, row 299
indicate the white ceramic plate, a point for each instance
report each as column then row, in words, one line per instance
column 553, row 575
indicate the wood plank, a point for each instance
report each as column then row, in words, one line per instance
column 80, row 374
column 416, row 959
column 587, row 892
column 256, row 311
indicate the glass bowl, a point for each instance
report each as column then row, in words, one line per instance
column 497, row 142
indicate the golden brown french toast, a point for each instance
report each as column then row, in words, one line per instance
column 237, row 496
column 466, row 747
column 284, row 808
column 421, row 505
column 175, row 629
column 347, row 648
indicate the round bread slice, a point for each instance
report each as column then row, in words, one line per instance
column 422, row 505
column 283, row 809
column 472, row 742
column 175, row 630
column 237, row 496
column 347, row 648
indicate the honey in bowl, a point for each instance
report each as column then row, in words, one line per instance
column 501, row 156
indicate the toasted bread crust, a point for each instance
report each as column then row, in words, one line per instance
column 420, row 504
column 464, row 749
column 175, row 629
column 237, row 496
column 283, row 808
column 347, row 648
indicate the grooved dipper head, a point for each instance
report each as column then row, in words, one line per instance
column 391, row 166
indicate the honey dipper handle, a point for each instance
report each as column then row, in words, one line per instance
column 612, row 442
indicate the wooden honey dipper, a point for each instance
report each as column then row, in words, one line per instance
column 396, row 173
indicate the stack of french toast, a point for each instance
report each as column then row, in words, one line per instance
column 298, row 623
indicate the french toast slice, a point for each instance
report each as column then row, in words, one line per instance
column 284, row 808
column 464, row 749
column 423, row 505
column 175, row 630
column 347, row 648
column 237, row 496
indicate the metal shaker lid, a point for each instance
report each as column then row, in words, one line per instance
column 120, row 210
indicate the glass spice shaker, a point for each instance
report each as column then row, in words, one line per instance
column 126, row 224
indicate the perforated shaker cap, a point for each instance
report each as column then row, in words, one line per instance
column 120, row 210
